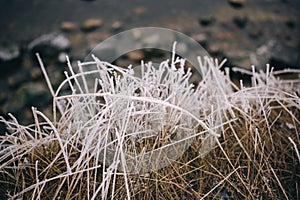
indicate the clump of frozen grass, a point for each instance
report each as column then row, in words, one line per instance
column 151, row 136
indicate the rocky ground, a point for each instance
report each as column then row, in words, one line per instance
column 242, row 32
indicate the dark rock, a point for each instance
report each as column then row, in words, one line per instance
column 10, row 58
column 91, row 24
column 240, row 21
column 31, row 94
column 49, row 45
column 28, row 95
column 206, row 20
column 290, row 23
column 237, row 3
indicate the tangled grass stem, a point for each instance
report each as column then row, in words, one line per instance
column 157, row 136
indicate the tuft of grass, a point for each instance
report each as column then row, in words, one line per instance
column 157, row 136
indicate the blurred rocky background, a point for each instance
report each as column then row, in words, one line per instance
column 246, row 32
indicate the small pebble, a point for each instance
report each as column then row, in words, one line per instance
column 138, row 10
column 62, row 57
column 91, row 24
column 68, row 26
column 116, row 26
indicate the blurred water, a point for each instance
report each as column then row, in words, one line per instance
column 25, row 19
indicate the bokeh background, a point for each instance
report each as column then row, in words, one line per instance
column 246, row 32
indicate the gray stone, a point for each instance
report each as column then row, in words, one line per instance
column 277, row 54
column 10, row 58
column 284, row 56
column 50, row 45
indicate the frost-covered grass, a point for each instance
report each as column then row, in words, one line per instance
column 158, row 136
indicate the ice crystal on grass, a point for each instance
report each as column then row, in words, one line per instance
column 141, row 123
column 157, row 136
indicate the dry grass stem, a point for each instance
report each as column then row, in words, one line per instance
column 114, row 135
